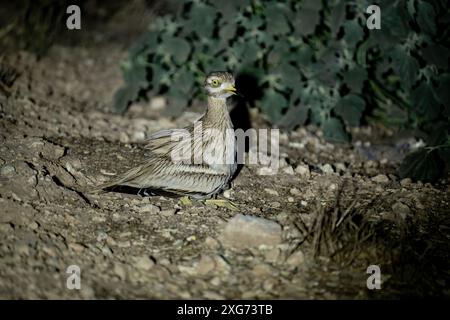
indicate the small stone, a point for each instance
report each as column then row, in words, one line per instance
column 212, row 243
column 149, row 208
column 405, row 182
column 144, row 263
column 249, row 231
column 340, row 167
column 7, row 170
column 76, row 247
column 265, row 171
column 158, row 103
column 210, row 263
column 168, row 212
column 402, row 209
column 271, row 192
column 296, row 259
column 119, row 270
column 381, row 178
column 123, row 137
column 304, row 203
column 228, row 193
column 101, row 236
column 33, row 225
column 138, row 136
column 272, row 255
column 327, row 168
column 303, row 171
column 290, row 199
column 288, row 170
column 275, row 204
column 261, row 270
column 124, row 244
column 295, row 192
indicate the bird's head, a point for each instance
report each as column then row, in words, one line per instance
column 220, row 84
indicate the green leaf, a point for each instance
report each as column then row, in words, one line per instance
column 277, row 23
column 177, row 102
column 337, row 16
column 405, row 66
column 424, row 102
column 394, row 20
column 123, row 97
column 295, row 116
column 273, row 104
column 422, row 165
column 201, row 19
column 308, row 17
column 246, row 52
column 443, row 91
column 178, row 48
column 437, row 55
column 353, row 33
column 354, row 78
column 350, row 108
column 333, row 130
column 426, row 17
column 288, row 74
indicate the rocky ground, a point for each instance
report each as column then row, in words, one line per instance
column 309, row 231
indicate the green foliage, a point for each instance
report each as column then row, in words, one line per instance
column 312, row 62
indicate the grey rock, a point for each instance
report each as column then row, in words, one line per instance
column 249, row 231
column 381, row 178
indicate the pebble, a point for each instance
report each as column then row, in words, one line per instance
column 261, row 270
column 229, row 193
column 327, row 168
column 402, row 209
column 340, row 167
column 295, row 192
column 381, row 178
column 290, row 199
column 76, row 247
column 265, row 171
column 405, row 182
column 249, row 231
column 149, row 208
column 275, row 204
column 288, row 170
column 296, row 259
column 168, row 212
column 303, row 170
column 143, row 263
column 272, row 255
column 210, row 263
column 119, row 270
column 212, row 243
column 7, row 170
column 271, row 192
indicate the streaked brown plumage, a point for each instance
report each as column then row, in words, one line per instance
column 159, row 173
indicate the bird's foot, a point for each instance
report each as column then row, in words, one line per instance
column 186, row 201
column 222, row 203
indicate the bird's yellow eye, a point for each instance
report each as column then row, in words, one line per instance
column 215, row 82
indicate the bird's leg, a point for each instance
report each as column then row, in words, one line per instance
column 143, row 192
column 223, row 203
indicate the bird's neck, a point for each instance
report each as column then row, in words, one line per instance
column 217, row 110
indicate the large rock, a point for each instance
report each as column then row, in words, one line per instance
column 249, row 231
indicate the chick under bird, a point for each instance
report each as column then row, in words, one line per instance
column 162, row 173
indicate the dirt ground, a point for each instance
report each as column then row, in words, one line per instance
column 58, row 136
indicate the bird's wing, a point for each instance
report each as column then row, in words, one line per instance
column 163, row 142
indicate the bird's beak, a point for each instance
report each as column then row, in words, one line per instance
column 231, row 89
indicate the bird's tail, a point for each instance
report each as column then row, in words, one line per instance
column 120, row 180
